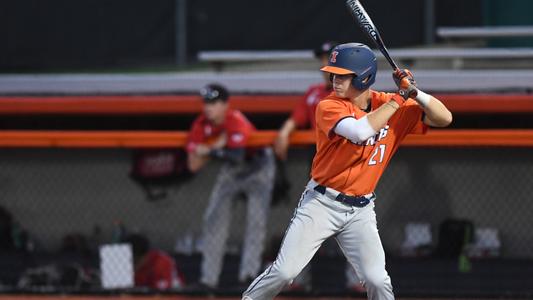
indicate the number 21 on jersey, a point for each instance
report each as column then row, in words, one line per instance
column 377, row 156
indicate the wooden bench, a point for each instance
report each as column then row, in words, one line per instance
column 403, row 53
column 456, row 55
column 259, row 55
column 485, row 32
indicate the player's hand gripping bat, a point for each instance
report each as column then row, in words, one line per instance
column 361, row 17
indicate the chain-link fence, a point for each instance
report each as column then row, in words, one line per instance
column 452, row 220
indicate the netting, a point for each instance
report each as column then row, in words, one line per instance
column 451, row 219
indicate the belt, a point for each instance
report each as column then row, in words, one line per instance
column 259, row 153
column 357, row 201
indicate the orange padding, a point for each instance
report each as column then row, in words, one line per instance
column 157, row 139
column 176, row 104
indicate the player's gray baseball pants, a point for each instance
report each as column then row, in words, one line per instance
column 255, row 178
column 316, row 218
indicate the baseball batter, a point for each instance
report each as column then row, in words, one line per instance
column 303, row 116
column 357, row 132
column 222, row 133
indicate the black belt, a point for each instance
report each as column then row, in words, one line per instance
column 357, row 201
column 257, row 153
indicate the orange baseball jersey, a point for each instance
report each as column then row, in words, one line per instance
column 236, row 127
column 304, row 113
column 355, row 169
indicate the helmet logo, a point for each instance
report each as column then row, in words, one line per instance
column 333, row 57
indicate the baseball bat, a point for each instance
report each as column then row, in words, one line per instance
column 361, row 17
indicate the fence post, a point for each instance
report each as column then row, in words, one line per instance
column 181, row 32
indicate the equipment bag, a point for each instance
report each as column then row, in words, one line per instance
column 454, row 236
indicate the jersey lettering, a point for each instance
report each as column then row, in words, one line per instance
column 368, row 158
column 383, row 132
column 379, row 150
column 371, row 141
column 376, row 138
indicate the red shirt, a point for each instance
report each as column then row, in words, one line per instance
column 304, row 113
column 157, row 270
column 355, row 169
column 236, row 127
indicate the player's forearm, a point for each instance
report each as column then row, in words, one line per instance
column 195, row 162
column 379, row 118
column 437, row 115
column 362, row 129
column 221, row 141
column 288, row 127
column 281, row 143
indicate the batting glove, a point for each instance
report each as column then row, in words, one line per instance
column 405, row 82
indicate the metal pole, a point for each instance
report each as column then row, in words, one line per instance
column 181, row 32
column 429, row 22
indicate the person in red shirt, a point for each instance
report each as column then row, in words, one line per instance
column 358, row 130
column 222, row 133
column 303, row 115
column 153, row 268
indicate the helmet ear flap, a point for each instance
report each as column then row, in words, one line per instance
column 331, row 77
column 356, row 83
column 363, row 83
